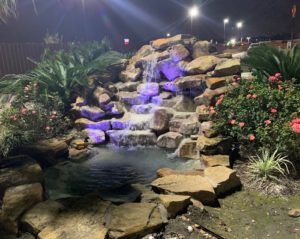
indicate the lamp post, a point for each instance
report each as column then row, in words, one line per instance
column 193, row 12
column 239, row 25
column 225, row 21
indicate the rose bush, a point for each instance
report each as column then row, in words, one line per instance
column 30, row 118
column 262, row 112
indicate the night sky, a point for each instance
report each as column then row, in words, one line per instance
column 143, row 20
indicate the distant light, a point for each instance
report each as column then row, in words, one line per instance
column 233, row 41
column 226, row 20
column 194, row 12
column 168, row 35
column 239, row 25
column 126, row 41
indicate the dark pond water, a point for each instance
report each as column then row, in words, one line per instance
column 110, row 171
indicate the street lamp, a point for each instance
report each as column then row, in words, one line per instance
column 225, row 21
column 193, row 12
column 239, row 25
column 168, row 34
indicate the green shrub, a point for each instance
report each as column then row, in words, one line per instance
column 29, row 119
column 268, row 60
column 262, row 113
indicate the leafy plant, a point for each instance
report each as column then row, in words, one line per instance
column 64, row 72
column 261, row 113
column 268, row 166
column 268, row 60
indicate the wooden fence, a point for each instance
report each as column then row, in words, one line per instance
column 14, row 56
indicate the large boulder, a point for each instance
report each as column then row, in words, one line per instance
column 212, row 146
column 148, row 89
column 202, row 48
column 228, row 67
column 47, row 152
column 202, row 112
column 131, row 74
column 183, row 104
column 190, row 126
column 132, row 138
column 40, row 216
column 93, row 113
column 160, row 121
column 164, row 43
column 202, row 65
column 134, row 220
column 163, row 172
column 216, row 160
column 84, row 218
column 170, row 69
column 195, row 186
column 222, row 178
column 19, row 170
column 217, row 82
column 178, row 53
column 169, row 140
column 132, row 98
column 174, row 203
column 187, row 149
column 96, row 136
column 191, row 82
column 16, row 201
column 127, row 86
column 103, row 125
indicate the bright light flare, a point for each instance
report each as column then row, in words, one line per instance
column 239, row 25
column 226, row 20
column 233, row 41
column 194, row 12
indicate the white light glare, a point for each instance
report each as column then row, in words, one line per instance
column 239, row 25
column 226, row 20
column 194, row 12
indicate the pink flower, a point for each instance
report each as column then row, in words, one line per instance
column 254, row 96
column 277, row 75
column 249, row 96
column 272, row 78
column 33, row 112
column 48, row 128
column 234, row 83
column 251, row 137
column 232, row 122
column 23, row 110
column 273, row 110
column 280, row 88
column 219, row 101
column 54, row 112
column 268, row 122
column 296, row 125
column 242, row 124
column 14, row 118
column 295, row 121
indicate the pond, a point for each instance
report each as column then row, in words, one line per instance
column 110, row 171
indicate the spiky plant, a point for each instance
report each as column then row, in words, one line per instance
column 269, row 60
column 268, row 167
column 8, row 8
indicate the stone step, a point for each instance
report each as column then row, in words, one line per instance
column 132, row 121
column 132, row 138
